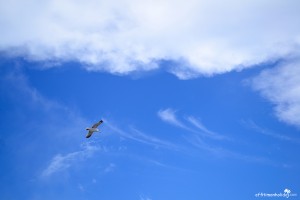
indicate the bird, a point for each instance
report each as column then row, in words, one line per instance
column 93, row 129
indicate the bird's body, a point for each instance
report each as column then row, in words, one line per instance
column 93, row 129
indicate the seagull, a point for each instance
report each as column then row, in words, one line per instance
column 93, row 129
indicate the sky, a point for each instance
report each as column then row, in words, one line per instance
column 200, row 100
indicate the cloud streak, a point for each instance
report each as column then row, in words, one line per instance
column 270, row 133
column 143, row 197
column 50, row 128
column 169, row 115
column 223, row 152
column 63, row 162
column 141, row 137
column 204, row 37
column 201, row 138
column 203, row 129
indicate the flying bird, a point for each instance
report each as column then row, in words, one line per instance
column 93, row 129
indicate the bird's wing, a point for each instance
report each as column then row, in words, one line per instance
column 90, row 133
column 97, row 124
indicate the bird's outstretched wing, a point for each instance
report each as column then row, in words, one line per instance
column 97, row 124
column 90, row 133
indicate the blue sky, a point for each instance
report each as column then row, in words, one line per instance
column 196, row 105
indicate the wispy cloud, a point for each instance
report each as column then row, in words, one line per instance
column 251, row 124
column 16, row 86
column 281, row 86
column 139, row 136
column 50, row 126
column 208, row 133
column 81, row 187
column 143, row 197
column 154, row 140
column 169, row 115
column 223, row 152
column 22, row 91
column 63, row 162
column 215, row 144
column 132, row 35
column 110, row 168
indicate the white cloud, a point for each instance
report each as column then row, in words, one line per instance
column 285, row 137
column 168, row 115
column 81, row 187
column 223, row 152
column 56, row 117
column 203, row 129
column 62, row 162
column 110, row 168
column 157, row 142
column 205, row 37
column 139, row 136
column 51, row 127
column 201, row 139
column 17, row 86
column 143, row 197
column 281, row 86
